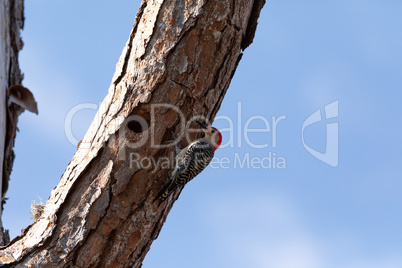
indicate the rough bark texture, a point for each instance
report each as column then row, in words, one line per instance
column 12, row 21
column 182, row 53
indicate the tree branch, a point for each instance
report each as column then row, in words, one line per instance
column 12, row 21
column 181, row 54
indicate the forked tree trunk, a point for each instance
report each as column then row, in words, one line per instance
column 182, row 54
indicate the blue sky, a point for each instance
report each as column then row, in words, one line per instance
column 305, row 56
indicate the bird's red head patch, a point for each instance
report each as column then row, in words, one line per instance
column 217, row 137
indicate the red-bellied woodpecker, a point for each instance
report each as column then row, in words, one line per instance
column 192, row 160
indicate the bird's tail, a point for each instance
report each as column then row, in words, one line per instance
column 165, row 192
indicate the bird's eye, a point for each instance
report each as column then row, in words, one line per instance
column 213, row 131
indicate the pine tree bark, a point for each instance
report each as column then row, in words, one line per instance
column 180, row 54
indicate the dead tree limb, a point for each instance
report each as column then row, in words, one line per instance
column 180, row 53
column 11, row 21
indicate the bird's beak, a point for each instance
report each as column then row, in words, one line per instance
column 201, row 124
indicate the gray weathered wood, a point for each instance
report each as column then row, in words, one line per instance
column 4, row 61
column 11, row 20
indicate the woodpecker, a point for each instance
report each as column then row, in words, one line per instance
column 192, row 160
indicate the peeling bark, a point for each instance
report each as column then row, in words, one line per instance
column 181, row 53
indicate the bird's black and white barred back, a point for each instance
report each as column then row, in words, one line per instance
column 191, row 161
column 198, row 156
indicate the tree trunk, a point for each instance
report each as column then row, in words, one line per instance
column 12, row 20
column 178, row 63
